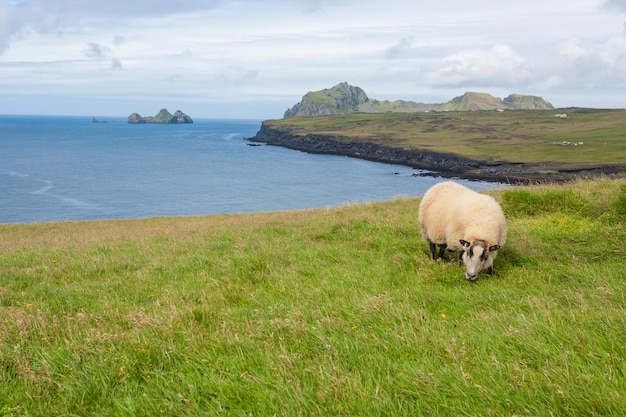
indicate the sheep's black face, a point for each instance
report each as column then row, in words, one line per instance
column 477, row 257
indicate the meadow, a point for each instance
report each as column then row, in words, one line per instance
column 531, row 137
column 325, row 312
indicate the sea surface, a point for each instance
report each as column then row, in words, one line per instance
column 69, row 168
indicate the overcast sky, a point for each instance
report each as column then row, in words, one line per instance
column 256, row 58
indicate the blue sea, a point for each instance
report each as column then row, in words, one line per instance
column 69, row 168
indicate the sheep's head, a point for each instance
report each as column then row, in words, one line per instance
column 477, row 256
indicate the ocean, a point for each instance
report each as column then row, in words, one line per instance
column 68, row 168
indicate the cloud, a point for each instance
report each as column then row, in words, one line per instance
column 572, row 51
column 499, row 65
column 613, row 52
column 236, row 77
column 45, row 16
column 616, row 4
column 312, row 6
column 400, row 49
column 96, row 51
column 593, row 62
column 118, row 40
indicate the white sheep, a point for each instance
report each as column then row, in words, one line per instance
column 454, row 217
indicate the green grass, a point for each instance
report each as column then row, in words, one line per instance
column 323, row 312
column 519, row 136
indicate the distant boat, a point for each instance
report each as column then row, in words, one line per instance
column 93, row 120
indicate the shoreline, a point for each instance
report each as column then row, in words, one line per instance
column 440, row 164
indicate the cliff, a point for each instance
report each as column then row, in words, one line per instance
column 345, row 99
column 163, row 117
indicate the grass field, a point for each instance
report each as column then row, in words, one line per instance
column 327, row 312
column 520, row 136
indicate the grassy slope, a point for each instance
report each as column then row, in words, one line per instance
column 520, row 136
column 322, row 312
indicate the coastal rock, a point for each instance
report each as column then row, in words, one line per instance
column 135, row 118
column 163, row 117
column 181, row 117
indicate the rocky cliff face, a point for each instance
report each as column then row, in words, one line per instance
column 135, row 118
column 181, row 117
column 163, row 117
column 345, row 99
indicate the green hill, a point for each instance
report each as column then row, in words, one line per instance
column 473, row 101
column 340, row 99
column 346, row 99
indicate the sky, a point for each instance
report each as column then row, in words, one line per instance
column 256, row 58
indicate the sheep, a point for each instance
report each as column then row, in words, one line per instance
column 456, row 218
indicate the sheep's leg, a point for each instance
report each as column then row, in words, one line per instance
column 442, row 250
column 490, row 270
column 433, row 250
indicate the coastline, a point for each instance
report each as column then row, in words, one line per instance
column 441, row 164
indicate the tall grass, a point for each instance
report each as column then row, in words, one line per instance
column 335, row 311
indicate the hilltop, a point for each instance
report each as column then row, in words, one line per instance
column 346, row 99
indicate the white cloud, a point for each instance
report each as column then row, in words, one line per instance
column 573, row 51
column 613, row 52
column 497, row 66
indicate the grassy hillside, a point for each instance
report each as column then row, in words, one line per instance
column 473, row 101
column 163, row 116
column 322, row 312
column 340, row 99
column 532, row 137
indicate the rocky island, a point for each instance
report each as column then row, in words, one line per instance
column 163, row 117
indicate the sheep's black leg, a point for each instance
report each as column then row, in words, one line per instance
column 433, row 250
column 490, row 270
column 442, row 250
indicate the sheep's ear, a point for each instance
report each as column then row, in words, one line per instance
column 494, row 247
column 464, row 243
